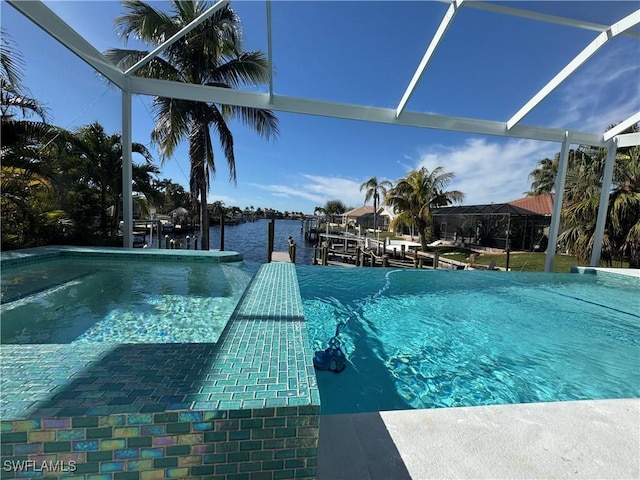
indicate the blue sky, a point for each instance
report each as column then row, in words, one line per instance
column 487, row 67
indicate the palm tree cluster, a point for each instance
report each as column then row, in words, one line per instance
column 57, row 185
column 211, row 54
column 416, row 196
column 585, row 170
column 413, row 198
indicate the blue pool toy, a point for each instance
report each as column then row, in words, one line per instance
column 332, row 358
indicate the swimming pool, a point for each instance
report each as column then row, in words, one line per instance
column 426, row 339
column 98, row 300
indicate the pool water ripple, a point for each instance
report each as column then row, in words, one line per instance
column 440, row 339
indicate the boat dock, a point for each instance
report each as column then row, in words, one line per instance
column 351, row 250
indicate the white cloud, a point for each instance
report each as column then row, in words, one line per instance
column 602, row 92
column 318, row 189
column 227, row 200
column 488, row 171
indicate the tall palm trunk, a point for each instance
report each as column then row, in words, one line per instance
column 375, row 210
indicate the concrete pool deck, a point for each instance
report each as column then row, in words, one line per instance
column 580, row 439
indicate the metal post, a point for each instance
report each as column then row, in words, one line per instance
column 195, row 243
column 166, row 241
column 221, row 232
column 187, row 240
column 270, row 235
column 604, row 203
column 557, row 203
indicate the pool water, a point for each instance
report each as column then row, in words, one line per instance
column 427, row 339
column 102, row 300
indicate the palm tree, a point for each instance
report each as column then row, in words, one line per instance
column 101, row 156
column 414, row 196
column 210, row 54
column 543, row 177
column 582, row 196
column 373, row 189
column 26, row 175
column 218, row 209
column 13, row 94
column 21, row 138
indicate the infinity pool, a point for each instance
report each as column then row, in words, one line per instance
column 425, row 339
column 72, row 300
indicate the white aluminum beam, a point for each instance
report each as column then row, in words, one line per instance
column 202, row 93
column 626, row 23
column 603, row 208
column 622, row 126
column 554, row 228
column 177, row 36
column 43, row 17
column 270, row 50
column 433, row 46
column 628, row 140
column 569, row 22
column 127, row 174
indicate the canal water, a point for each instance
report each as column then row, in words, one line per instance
column 250, row 239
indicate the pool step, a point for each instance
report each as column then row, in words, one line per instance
column 38, row 286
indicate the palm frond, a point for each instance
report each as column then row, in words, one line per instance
column 144, row 23
column 172, row 123
column 249, row 68
column 225, row 137
column 263, row 121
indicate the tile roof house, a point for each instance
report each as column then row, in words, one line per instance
column 540, row 204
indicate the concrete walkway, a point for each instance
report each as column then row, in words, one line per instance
column 584, row 439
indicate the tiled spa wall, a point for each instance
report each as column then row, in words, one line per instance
column 255, row 444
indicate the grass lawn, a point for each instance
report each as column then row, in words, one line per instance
column 526, row 261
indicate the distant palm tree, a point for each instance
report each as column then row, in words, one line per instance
column 373, row 188
column 543, row 177
column 414, row 196
column 210, row 54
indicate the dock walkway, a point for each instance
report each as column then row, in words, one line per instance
column 280, row 257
